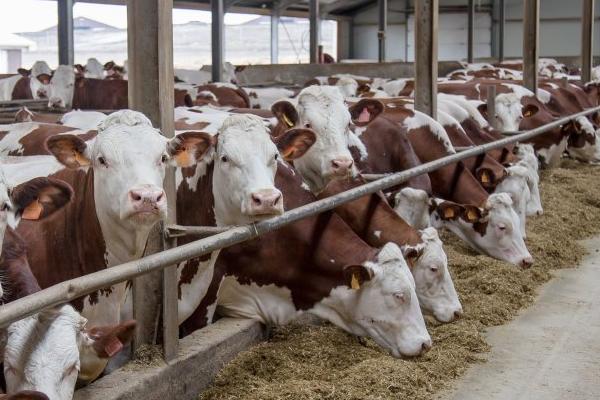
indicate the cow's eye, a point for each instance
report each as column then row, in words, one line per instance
column 307, row 125
column 276, row 156
column 102, row 161
column 224, row 159
column 5, row 207
column 399, row 296
column 164, row 158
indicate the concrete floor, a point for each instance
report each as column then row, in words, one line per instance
column 552, row 350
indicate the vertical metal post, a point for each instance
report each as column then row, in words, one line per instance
column 470, row 30
column 426, row 56
column 491, row 106
column 501, row 25
column 218, row 15
column 150, row 55
column 531, row 20
column 314, row 30
column 587, row 41
column 382, row 5
column 66, row 52
column 275, row 35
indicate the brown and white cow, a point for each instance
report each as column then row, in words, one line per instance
column 317, row 265
column 117, row 174
column 322, row 109
column 42, row 352
column 27, row 84
column 222, row 94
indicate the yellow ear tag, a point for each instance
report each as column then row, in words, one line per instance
column 485, row 178
column 355, row 283
column 287, row 121
column 449, row 213
column 528, row 113
column 33, row 211
column 82, row 161
column 471, row 215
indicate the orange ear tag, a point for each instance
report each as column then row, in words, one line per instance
column 287, row 121
column 485, row 178
column 449, row 213
column 82, row 161
column 33, row 211
column 183, row 158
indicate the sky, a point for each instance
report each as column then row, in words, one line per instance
column 35, row 15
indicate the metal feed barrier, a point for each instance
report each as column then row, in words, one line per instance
column 74, row 288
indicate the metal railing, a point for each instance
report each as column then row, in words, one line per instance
column 74, row 288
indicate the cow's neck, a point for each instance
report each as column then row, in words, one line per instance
column 337, row 307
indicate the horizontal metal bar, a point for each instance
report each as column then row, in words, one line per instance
column 175, row 231
column 509, row 133
column 74, row 288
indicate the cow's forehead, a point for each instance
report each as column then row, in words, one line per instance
column 123, row 139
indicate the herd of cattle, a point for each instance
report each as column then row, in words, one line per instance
column 82, row 194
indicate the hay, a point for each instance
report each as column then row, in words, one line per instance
column 323, row 362
column 146, row 356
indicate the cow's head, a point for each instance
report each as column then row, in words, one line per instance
column 39, row 80
column 128, row 158
column 93, row 69
column 246, row 161
column 434, row 286
column 413, row 206
column 493, row 230
column 527, row 159
column 381, row 301
column 516, row 185
column 62, row 87
column 510, row 113
column 584, row 142
column 347, row 86
column 43, row 351
column 322, row 109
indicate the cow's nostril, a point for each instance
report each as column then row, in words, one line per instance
column 277, row 199
column 160, row 197
column 425, row 347
column 256, row 200
column 457, row 314
column 136, row 197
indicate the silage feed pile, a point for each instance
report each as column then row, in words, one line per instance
column 323, row 362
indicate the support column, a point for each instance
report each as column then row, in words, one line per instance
column 587, row 40
column 275, row 15
column 381, row 34
column 66, row 52
column 426, row 56
column 314, row 30
column 531, row 20
column 150, row 84
column 470, row 30
column 218, row 15
column 501, row 25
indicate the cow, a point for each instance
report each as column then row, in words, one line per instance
column 92, row 69
column 117, row 174
column 322, row 109
column 317, row 265
column 85, row 120
column 222, row 94
column 42, row 352
column 27, row 84
column 68, row 91
column 264, row 98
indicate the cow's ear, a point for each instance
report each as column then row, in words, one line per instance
column 294, row 143
column 286, row 113
column 40, row 197
column 24, row 395
column 471, row 214
column 44, row 78
column 106, row 341
column 187, row 148
column 486, row 177
column 356, row 275
column 365, row 111
column 530, row 110
column 23, row 115
column 24, row 72
column 482, row 108
column 70, row 150
column 449, row 211
column 109, row 65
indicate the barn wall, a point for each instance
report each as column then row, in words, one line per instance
column 560, row 30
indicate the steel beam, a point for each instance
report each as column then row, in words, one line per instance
column 66, row 52
column 275, row 16
column 501, row 26
column 381, row 34
column 218, row 15
column 150, row 55
column 531, row 22
column 426, row 56
column 587, row 40
column 315, row 21
column 470, row 30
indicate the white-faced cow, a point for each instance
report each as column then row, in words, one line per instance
column 117, row 175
